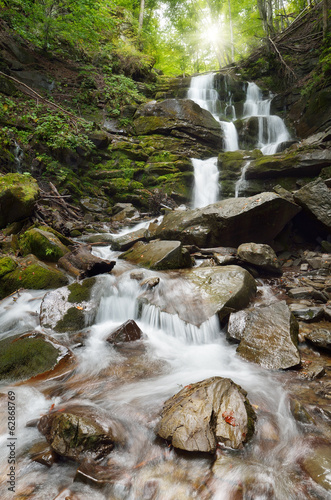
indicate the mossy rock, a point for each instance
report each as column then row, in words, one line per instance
column 43, row 244
column 7, row 265
column 80, row 292
column 37, row 276
column 72, row 321
column 23, row 357
column 66, row 241
column 18, row 194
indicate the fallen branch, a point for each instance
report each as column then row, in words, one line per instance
column 282, row 60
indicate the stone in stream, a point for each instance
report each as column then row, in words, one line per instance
column 268, row 335
column 158, row 255
column 82, row 263
column 128, row 332
column 29, row 355
column 71, row 308
column 306, row 311
column 261, row 256
column 317, row 463
column 320, row 337
column 18, row 194
column 206, row 414
column 79, row 432
column 230, row 222
column 123, row 243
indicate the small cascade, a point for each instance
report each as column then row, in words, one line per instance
column 203, row 93
column 230, row 136
column 272, row 129
column 18, row 157
column 241, row 182
column 206, row 174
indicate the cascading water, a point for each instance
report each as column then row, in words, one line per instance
column 272, row 129
column 206, row 176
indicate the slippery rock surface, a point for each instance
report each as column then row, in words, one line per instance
column 207, row 413
column 229, row 222
column 158, row 255
column 179, row 117
column 18, row 194
column 71, row 308
column 28, row 355
column 43, row 244
column 128, row 332
column 261, row 256
column 268, row 335
column 78, row 432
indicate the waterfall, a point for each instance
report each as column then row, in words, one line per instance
column 206, row 174
column 203, row 93
column 18, row 157
column 241, row 182
column 272, row 129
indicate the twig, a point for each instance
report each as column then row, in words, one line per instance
column 282, row 60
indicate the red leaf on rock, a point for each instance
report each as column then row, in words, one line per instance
column 229, row 418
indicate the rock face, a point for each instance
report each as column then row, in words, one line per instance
column 230, row 222
column 268, row 335
column 179, row 117
column 71, row 308
column 158, row 255
column 261, row 256
column 29, row 355
column 207, row 413
column 80, row 432
column 315, row 199
column 18, row 194
column 82, row 263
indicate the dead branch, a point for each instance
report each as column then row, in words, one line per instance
column 282, row 60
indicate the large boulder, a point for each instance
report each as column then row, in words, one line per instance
column 207, row 291
column 18, row 194
column 315, row 199
column 28, row 355
column 42, row 244
column 29, row 273
column 179, row 117
column 158, row 255
column 207, row 413
column 268, row 335
column 261, row 256
column 229, row 223
column 71, row 308
column 79, row 432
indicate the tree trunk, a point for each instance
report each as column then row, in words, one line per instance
column 141, row 14
column 326, row 17
column 231, row 32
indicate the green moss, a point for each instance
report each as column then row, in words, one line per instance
column 25, row 357
column 18, row 194
column 7, row 265
column 34, row 277
column 72, row 321
column 81, row 292
column 45, row 245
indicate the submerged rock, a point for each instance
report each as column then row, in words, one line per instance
column 28, row 355
column 261, row 256
column 320, row 337
column 81, row 431
column 268, row 335
column 230, row 222
column 18, row 194
column 158, row 255
column 207, row 414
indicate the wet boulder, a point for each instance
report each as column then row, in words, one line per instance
column 79, row 432
column 29, row 355
column 261, row 256
column 71, row 308
column 320, row 338
column 30, row 273
column 205, row 414
column 315, row 199
column 128, row 332
column 126, row 241
column 81, row 263
column 268, row 335
column 230, row 222
column 42, row 244
column 307, row 311
column 18, row 194
column 158, row 255
column 180, row 118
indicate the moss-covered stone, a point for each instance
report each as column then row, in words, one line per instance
column 35, row 276
column 18, row 194
column 45, row 245
column 72, row 321
column 26, row 356
column 7, row 265
column 80, row 292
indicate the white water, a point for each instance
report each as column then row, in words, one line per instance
column 272, row 129
column 241, row 182
column 206, row 176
